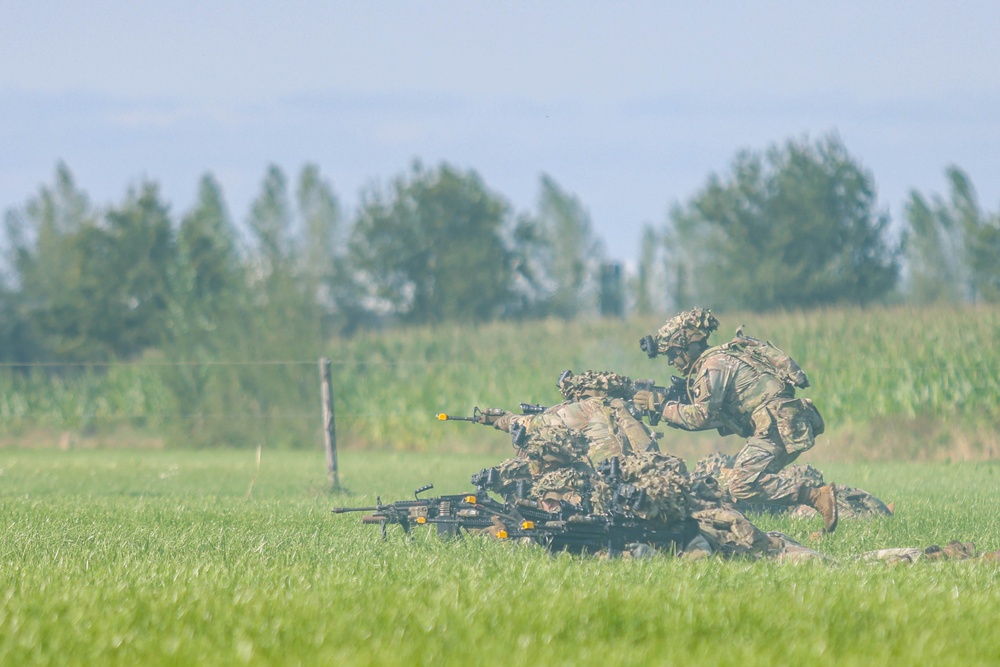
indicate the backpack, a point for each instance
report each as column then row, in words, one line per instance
column 764, row 354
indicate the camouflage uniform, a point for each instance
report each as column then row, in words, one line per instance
column 596, row 407
column 558, row 458
column 852, row 503
column 745, row 387
column 716, row 470
column 663, row 482
column 954, row 550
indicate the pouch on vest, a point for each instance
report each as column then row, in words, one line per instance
column 798, row 422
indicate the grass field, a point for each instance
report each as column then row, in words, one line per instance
column 197, row 557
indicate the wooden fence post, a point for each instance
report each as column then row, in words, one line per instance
column 329, row 426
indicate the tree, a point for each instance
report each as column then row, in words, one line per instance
column 529, row 252
column 322, row 252
column 209, row 297
column 952, row 246
column 41, row 262
column 649, row 285
column 271, row 225
column 113, row 287
column 209, row 274
column 430, row 248
column 795, row 227
column 92, row 286
column 117, row 307
column 573, row 256
column 984, row 257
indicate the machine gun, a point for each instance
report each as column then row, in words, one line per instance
column 450, row 514
column 564, row 528
column 613, row 533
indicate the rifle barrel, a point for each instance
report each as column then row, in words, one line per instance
column 449, row 418
column 343, row 510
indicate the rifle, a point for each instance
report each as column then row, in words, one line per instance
column 490, row 415
column 677, row 391
column 487, row 416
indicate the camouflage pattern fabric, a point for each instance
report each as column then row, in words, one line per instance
column 553, row 446
column 710, row 481
column 684, row 328
column 737, row 393
column 571, row 485
column 515, row 474
column 595, row 383
column 642, row 464
column 600, row 495
column 855, row 503
column 667, row 496
column 954, row 550
column 765, row 354
column 755, row 474
column 714, row 465
column 784, row 548
column 664, row 483
column 852, row 503
column 730, row 533
column 605, row 423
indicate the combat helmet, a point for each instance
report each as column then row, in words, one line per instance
column 594, row 383
column 681, row 330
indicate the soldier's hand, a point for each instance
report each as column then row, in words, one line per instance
column 646, row 401
column 503, row 423
column 490, row 416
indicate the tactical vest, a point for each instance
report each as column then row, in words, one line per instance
column 764, row 356
column 777, row 377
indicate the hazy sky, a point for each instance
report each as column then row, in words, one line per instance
column 628, row 105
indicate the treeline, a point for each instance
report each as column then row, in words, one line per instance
column 433, row 245
column 798, row 226
column 794, row 226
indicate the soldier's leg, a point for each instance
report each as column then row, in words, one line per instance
column 754, row 476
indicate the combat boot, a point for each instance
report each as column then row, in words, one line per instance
column 824, row 500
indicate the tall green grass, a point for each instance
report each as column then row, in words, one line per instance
column 926, row 372
column 936, row 364
column 163, row 557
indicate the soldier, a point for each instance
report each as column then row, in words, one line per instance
column 597, row 405
column 747, row 387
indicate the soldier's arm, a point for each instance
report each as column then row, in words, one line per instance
column 508, row 419
column 705, row 409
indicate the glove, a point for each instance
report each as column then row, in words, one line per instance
column 491, row 416
column 645, row 400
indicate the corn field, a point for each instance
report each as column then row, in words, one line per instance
column 931, row 370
